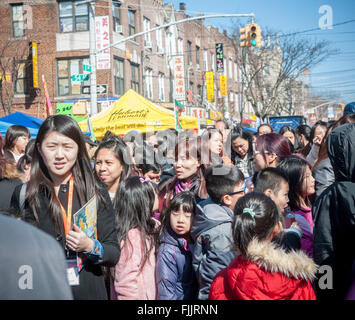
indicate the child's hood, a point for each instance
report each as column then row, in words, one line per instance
column 209, row 215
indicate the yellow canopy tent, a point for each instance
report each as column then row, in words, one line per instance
column 134, row 112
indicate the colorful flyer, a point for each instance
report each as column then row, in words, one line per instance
column 86, row 218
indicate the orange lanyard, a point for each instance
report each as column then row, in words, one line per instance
column 67, row 214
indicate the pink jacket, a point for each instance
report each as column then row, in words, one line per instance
column 129, row 283
column 305, row 221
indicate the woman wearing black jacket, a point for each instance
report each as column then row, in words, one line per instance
column 61, row 182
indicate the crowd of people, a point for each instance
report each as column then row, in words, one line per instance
column 224, row 215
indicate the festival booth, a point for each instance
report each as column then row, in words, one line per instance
column 134, row 112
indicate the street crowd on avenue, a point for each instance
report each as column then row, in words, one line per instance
column 225, row 215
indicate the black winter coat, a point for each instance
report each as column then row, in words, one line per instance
column 334, row 216
column 92, row 285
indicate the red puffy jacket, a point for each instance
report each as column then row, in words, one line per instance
column 268, row 273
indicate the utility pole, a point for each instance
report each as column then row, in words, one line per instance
column 93, row 94
column 92, row 39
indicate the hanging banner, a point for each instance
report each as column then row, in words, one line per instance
column 48, row 100
column 179, row 78
column 35, row 65
column 102, row 29
column 223, row 85
column 209, row 86
column 179, row 108
column 219, row 57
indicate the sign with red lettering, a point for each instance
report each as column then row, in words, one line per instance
column 179, row 78
column 102, row 28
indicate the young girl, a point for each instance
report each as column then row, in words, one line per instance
column 134, row 274
column 262, row 271
column 174, row 273
column 302, row 185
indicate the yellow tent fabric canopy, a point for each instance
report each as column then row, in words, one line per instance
column 134, row 112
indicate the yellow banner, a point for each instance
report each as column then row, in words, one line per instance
column 35, row 65
column 209, row 86
column 223, row 85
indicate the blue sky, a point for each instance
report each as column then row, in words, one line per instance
column 337, row 73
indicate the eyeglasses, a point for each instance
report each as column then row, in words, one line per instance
column 240, row 191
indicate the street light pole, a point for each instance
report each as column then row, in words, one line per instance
column 93, row 94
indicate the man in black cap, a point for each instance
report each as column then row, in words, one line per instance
column 349, row 108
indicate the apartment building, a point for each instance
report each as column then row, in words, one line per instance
column 60, row 30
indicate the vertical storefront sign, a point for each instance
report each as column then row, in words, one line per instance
column 179, row 78
column 223, row 85
column 209, row 86
column 219, row 57
column 102, row 29
column 35, row 65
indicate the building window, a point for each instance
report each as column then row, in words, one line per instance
column 118, row 74
column 116, row 14
column 66, row 69
column 146, row 27
column 135, row 77
column 212, row 61
column 180, row 46
column 73, row 17
column 235, row 72
column 161, row 87
column 158, row 34
column 17, row 20
column 149, row 83
column 205, row 60
column 197, row 57
column 21, row 86
column 169, row 43
column 230, row 69
column 132, row 21
column 189, row 52
column 200, row 93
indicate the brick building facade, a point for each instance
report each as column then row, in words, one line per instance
column 60, row 28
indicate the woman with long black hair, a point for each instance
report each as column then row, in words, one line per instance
column 61, row 183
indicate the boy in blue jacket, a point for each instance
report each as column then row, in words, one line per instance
column 212, row 226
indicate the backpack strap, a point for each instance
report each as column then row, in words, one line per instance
column 22, row 200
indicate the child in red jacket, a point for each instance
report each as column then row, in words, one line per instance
column 262, row 271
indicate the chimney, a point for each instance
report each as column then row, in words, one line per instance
column 182, row 6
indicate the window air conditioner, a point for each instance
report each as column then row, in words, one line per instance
column 119, row 29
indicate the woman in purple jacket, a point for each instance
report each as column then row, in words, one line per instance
column 175, row 276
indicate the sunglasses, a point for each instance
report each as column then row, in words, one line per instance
column 240, row 191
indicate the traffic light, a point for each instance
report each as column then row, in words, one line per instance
column 255, row 35
column 244, row 36
column 341, row 106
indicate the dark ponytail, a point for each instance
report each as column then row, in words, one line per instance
column 256, row 216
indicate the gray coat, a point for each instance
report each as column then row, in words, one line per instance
column 32, row 264
column 324, row 176
column 212, row 233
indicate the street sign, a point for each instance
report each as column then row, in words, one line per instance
column 80, row 77
column 100, row 89
column 86, row 68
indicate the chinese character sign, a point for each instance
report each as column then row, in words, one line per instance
column 209, row 86
column 223, row 85
column 102, row 30
column 219, row 57
column 179, row 78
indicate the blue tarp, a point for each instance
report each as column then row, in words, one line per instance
column 23, row 120
column 5, row 125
